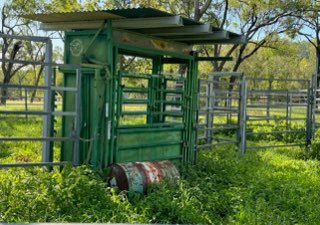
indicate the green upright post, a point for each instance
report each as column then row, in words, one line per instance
column 109, row 99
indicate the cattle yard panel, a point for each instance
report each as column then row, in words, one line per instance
column 221, row 110
column 278, row 108
column 275, row 110
column 48, row 108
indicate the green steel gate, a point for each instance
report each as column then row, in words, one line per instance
column 150, row 118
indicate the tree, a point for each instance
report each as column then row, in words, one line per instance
column 306, row 24
column 9, row 48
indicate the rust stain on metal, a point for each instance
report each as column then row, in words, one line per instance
column 145, row 180
column 120, row 177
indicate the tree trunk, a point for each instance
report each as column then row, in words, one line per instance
column 34, row 93
column 8, row 72
column 4, row 91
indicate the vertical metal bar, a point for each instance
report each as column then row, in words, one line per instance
column 229, row 106
column 163, row 98
column 95, row 120
column 315, row 102
column 287, row 110
column 112, row 60
column 207, row 113
column 76, row 150
column 150, row 97
column 269, row 98
column 309, row 115
column 46, row 145
column 290, row 109
column 26, row 102
column 210, row 106
column 118, row 86
column 114, row 108
column 194, row 112
column 198, row 114
column 242, row 116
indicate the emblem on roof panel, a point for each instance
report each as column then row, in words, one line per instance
column 76, row 47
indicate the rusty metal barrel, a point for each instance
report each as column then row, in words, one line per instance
column 135, row 177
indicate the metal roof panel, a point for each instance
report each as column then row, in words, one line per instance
column 90, row 18
column 141, row 12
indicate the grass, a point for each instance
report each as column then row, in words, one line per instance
column 273, row 186
column 270, row 186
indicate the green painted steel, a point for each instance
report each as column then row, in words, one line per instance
column 163, row 127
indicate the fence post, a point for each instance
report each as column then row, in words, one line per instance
column 287, row 110
column 26, row 102
column 242, row 117
column 269, row 99
column 310, row 113
column 76, row 136
column 315, row 104
column 47, row 119
column 290, row 111
column 210, row 102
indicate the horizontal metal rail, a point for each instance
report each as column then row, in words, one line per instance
column 136, row 76
column 68, row 89
column 178, row 91
column 224, row 143
column 135, row 90
column 152, row 145
column 135, row 101
column 276, row 92
column 26, row 38
column 276, row 105
column 277, row 132
column 262, row 118
column 219, row 128
column 25, row 139
column 153, row 125
column 275, row 146
column 40, row 164
column 39, row 113
column 217, row 97
column 33, row 87
column 218, row 113
column 204, row 82
column 26, row 62
column 227, row 74
column 276, row 79
column 125, row 130
column 174, row 78
column 134, row 113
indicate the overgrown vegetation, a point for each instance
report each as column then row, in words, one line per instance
column 264, row 187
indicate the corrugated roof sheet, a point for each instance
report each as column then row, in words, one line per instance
column 118, row 13
column 132, row 13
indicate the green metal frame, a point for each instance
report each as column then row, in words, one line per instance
column 104, row 141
